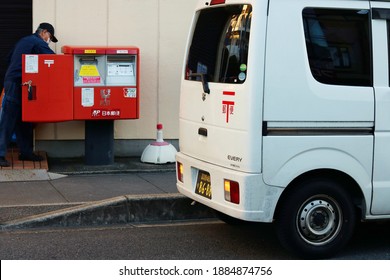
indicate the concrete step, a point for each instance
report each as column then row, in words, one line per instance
column 16, row 164
column 21, row 170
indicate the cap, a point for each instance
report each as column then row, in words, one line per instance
column 50, row 29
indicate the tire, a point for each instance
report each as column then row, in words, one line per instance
column 316, row 219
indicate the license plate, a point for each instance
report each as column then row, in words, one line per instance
column 203, row 184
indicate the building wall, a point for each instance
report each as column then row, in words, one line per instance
column 158, row 27
column 15, row 15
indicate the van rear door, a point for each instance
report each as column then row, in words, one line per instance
column 220, row 115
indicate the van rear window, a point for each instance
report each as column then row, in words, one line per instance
column 219, row 48
column 338, row 46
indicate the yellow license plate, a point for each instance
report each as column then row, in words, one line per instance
column 203, row 184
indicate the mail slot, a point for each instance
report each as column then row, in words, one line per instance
column 83, row 83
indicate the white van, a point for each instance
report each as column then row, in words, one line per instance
column 285, row 116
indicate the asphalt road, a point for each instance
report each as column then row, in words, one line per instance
column 211, row 240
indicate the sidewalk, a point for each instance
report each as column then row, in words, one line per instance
column 89, row 183
column 72, row 188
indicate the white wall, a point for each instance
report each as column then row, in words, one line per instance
column 158, row 27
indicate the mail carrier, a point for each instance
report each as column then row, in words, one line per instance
column 285, row 116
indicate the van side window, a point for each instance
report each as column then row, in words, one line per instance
column 219, row 47
column 338, row 46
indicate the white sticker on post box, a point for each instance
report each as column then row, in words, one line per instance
column 120, row 69
column 130, row 92
column 87, row 97
column 31, row 64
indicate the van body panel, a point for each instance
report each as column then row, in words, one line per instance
column 381, row 166
column 288, row 79
column 296, row 156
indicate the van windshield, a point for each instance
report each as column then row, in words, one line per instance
column 219, row 48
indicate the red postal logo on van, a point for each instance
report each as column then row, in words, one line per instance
column 227, row 105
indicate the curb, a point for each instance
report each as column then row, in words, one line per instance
column 114, row 171
column 121, row 165
column 117, row 210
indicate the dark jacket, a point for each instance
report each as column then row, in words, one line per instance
column 32, row 44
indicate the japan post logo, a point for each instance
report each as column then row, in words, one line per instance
column 228, row 105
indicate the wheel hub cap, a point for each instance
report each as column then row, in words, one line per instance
column 318, row 221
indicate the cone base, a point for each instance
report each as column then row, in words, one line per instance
column 159, row 154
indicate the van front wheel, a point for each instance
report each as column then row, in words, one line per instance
column 316, row 219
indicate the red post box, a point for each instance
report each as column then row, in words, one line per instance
column 106, row 82
column 47, row 94
column 84, row 83
column 95, row 84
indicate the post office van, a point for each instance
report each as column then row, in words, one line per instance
column 285, row 116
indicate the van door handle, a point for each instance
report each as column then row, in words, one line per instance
column 202, row 131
